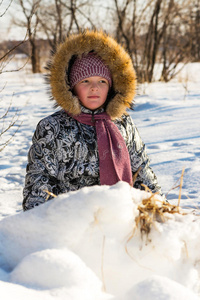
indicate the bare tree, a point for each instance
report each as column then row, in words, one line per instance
column 195, row 29
column 137, row 29
column 31, row 22
column 51, row 20
column 59, row 18
column 5, row 127
column 154, row 31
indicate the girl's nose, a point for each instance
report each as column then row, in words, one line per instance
column 94, row 86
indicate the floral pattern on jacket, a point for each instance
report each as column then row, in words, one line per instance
column 64, row 157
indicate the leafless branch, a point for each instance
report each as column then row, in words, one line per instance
column 15, row 47
column 6, row 128
column 6, row 8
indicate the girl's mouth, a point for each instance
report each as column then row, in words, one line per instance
column 93, row 97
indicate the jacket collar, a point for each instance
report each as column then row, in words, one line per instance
column 91, row 112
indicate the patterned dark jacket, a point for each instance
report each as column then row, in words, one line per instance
column 64, row 153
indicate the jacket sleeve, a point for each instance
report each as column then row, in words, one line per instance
column 140, row 161
column 42, row 167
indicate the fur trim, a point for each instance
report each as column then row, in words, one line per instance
column 114, row 56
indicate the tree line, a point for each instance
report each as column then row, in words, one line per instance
column 156, row 33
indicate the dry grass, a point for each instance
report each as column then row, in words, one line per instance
column 102, row 265
column 153, row 210
column 49, row 194
column 178, row 186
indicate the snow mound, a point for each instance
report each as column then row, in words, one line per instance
column 86, row 245
column 54, row 268
column 159, row 288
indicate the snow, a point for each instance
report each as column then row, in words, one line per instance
column 85, row 244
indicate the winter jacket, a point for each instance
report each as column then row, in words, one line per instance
column 64, row 153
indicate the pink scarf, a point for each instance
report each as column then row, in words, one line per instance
column 114, row 160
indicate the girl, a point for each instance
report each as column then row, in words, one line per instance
column 92, row 140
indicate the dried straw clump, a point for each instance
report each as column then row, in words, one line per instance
column 152, row 209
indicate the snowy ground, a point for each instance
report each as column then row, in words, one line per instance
column 75, row 246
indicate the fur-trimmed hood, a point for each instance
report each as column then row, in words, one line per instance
column 113, row 55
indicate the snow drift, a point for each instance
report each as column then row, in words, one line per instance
column 83, row 243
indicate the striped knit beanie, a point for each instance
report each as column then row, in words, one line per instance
column 87, row 66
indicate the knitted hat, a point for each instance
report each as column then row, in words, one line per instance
column 87, row 66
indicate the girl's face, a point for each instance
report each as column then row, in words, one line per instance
column 92, row 91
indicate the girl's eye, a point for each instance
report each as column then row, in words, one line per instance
column 103, row 81
column 84, row 81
